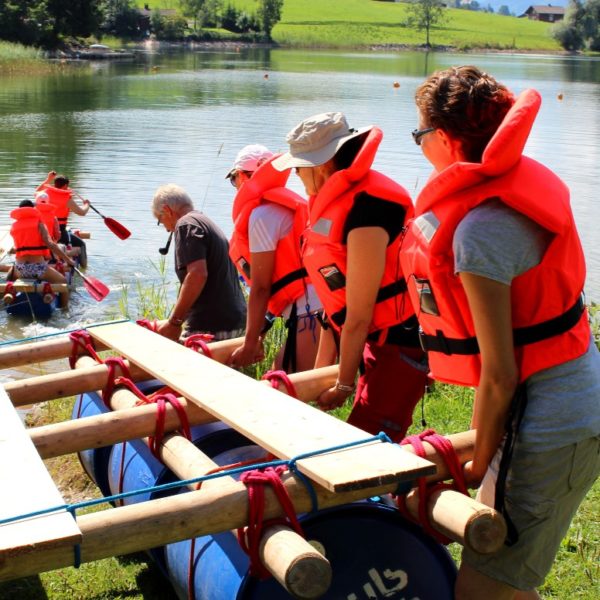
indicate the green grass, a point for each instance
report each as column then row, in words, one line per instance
column 366, row 23
column 16, row 58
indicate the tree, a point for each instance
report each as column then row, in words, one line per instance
column 504, row 10
column 580, row 28
column 25, row 22
column 192, row 10
column 74, row 18
column 122, row 18
column 424, row 14
column 269, row 14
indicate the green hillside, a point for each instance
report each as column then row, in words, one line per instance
column 356, row 23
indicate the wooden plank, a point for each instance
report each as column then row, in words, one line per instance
column 27, row 487
column 23, row 285
column 273, row 420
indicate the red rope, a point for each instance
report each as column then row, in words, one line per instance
column 151, row 325
column 249, row 538
column 10, row 289
column 82, row 341
column 113, row 362
column 198, row 342
column 155, row 441
column 277, row 377
column 446, row 451
column 60, row 266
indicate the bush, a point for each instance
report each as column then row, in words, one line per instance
column 168, row 28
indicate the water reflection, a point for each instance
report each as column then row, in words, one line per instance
column 121, row 129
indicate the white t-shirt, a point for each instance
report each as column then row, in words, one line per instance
column 268, row 224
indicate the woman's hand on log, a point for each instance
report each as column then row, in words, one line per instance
column 332, row 398
column 247, row 354
column 472, row 477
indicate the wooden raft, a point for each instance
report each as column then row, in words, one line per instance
column 280, row 424
column 27, row 487
column 24, row 285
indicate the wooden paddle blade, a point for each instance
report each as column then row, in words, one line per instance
column 95, row 288
column 119, row 230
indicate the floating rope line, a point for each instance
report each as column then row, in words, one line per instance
column 65, row 332
column 291, row 464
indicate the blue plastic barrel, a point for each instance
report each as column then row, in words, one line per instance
column 95, row 461
column 374, row 553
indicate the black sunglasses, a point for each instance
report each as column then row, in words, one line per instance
column 417, row 134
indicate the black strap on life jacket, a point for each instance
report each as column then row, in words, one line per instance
column 513, row 424
column 521, row 336
column 290, row 350
column 27, row 248
column 385, row 293
column 278, row 285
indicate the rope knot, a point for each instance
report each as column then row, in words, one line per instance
column 199, row 343
column 249, row 538
column 151, row 325
column 275, row 378
column 82, row 344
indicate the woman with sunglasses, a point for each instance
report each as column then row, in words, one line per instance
column 268, row 222
column 350, row 251
column 495, row 272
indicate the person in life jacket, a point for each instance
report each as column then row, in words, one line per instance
column 495, row 271
column 33, row 246
column 351, row 253
column 265, row 247
column 61, row 197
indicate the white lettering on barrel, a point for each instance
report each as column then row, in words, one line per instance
column 397, row 580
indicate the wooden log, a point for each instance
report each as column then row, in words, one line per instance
column 288, row 557
column 31, row 286
column 296, row 559
column 136, row 527
column 61, row 347
column 84, row 235
column 462, row 519
column 131, row 423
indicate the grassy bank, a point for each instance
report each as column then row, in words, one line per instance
column 15, row 58
column 366, row 23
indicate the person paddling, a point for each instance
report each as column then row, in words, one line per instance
column 33, row 246
column 269, row 220
column 61, row 197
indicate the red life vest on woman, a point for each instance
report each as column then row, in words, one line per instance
column 325, row 254
column 59, row 198
column 289, row 276
column 48, row 216
column 25, row 233
column 549, row 320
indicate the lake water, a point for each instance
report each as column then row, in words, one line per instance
column 119, row 130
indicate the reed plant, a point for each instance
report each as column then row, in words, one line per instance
column 16, row 58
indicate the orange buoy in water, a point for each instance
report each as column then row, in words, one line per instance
column 396, row 84
column 560, row 96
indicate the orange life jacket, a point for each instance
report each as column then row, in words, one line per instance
column 48, row 216
column 549, row 320
column 26, row 234
column 59, row 198
column 289, row 276
column 325, row 254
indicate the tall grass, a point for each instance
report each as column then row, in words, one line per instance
column 16, row 58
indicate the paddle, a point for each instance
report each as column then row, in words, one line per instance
column 95, row 288
column 119, row 230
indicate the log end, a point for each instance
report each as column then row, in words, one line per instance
column 486, row 531
column 308, row 576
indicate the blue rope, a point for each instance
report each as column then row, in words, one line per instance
column 45, row 335
column 291, row 464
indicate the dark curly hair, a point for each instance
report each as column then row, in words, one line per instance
column 467, row 104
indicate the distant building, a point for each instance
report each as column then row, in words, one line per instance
column 546, row 13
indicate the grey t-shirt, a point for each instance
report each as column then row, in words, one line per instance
column 221, row 305
column 499, row 243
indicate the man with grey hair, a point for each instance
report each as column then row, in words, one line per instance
column 210, row 299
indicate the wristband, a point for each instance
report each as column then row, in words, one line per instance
column 348, row 389
column 175, row 321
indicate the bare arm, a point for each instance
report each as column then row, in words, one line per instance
column 191, row 287
column 77, row 209
column 490, row 305
column 262, row 265
column 327, row 352
column 53, row 246
column 49, row 178
column 366, row 264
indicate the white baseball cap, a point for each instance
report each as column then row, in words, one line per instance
column 249, row 158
